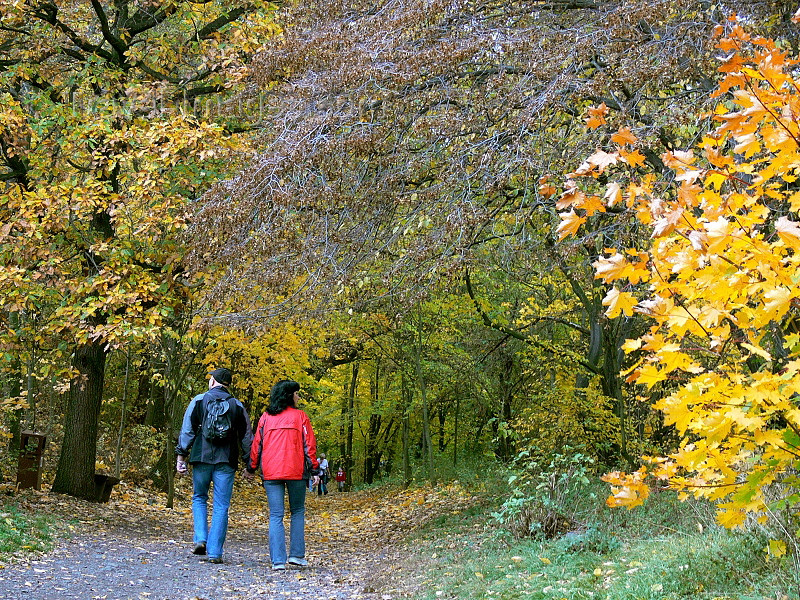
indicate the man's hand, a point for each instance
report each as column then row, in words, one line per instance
column 181, row 466
column 247, row 474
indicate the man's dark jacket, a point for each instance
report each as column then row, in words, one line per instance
column 191, row 441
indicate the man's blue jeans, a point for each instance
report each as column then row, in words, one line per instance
column 297, row 524
column 202, row 475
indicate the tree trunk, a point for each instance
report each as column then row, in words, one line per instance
column 172, row 404
column 372, row 455
column 123, row 409
column 351, row 401
column 407, row 396
column 75, row 471
column 156, row 416
column 162, row 473
column 442, row 415
column 14, row 391
column 505, row 446
column 346, row 426
column 616, row 332
column 426, row 418
column 371, row 458
column 343, row 424
column 455, row 429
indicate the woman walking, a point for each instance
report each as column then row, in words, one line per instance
column 285, row 450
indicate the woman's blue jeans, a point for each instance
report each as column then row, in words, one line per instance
column 203, row 474
column 297, row 524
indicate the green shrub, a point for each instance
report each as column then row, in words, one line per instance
column 547, row 495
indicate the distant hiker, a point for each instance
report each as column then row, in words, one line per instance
column 285, row 450
column 215, row 430
column 322, row 487
column 340, row 479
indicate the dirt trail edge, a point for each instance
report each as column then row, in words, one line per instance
column 133, row 548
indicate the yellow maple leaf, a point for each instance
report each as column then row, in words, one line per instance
column 794, row 202
column 778, row 302
column 649, row 375
column 731, row 517
column 612, row 267
column 619, row 302
column 789, row 232
column 715, row 179
column 678, row 159
column 627, row 489
column 718, row 234
column 747, row 144
column 776, row 548
column 631, row 345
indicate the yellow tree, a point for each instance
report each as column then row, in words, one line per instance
column 261, row 358
column 719, row 282
column 105, row 135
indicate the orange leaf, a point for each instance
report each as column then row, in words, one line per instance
column 570, row 224
column 597, row 116
column 571, row 196
column 634, row 159
column 624, row 136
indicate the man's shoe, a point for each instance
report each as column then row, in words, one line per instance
column 216, row 560
column 300, row 562
column 200, row 549
column 279, row 567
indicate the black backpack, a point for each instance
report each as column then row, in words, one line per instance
column 218, row 420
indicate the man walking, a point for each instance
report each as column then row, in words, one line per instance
column 215, row 432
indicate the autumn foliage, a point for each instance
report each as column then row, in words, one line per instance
column 718, row 280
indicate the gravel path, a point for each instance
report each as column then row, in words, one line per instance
column 121, row 551
column 116, row 567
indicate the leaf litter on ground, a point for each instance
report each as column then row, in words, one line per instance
column 134, row 547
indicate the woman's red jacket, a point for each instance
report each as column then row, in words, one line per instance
column 281, row 445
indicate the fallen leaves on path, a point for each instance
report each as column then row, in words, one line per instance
column 350, row 537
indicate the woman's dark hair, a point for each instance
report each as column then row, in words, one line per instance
column 282, row 395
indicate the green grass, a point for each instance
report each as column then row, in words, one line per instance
column 665, row 550
column 21, row 532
